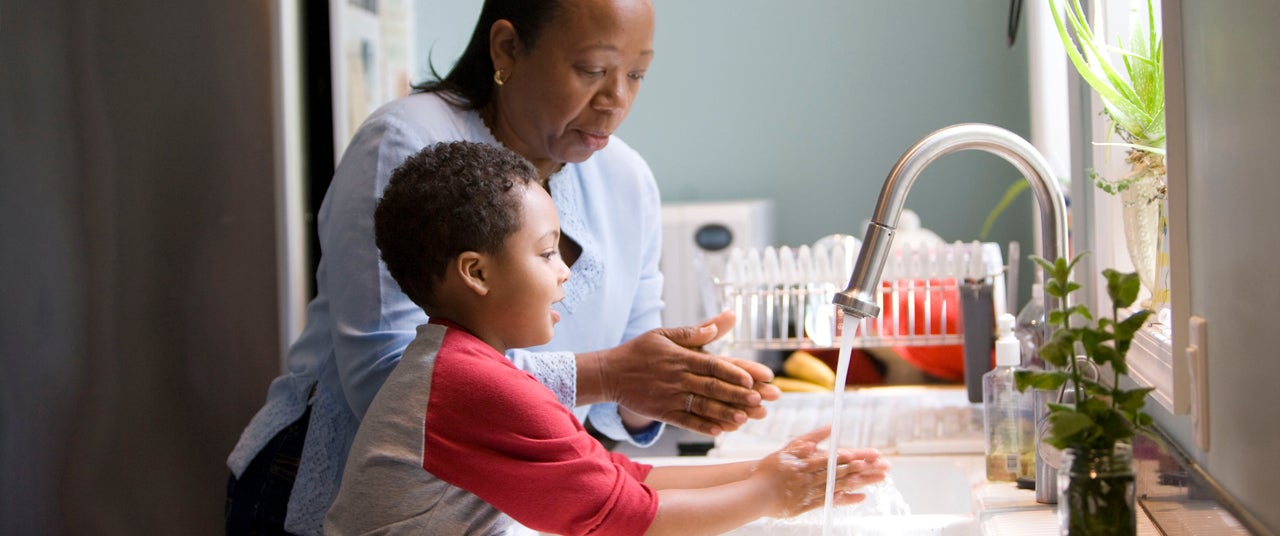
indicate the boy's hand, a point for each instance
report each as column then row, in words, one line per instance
column 798, row 474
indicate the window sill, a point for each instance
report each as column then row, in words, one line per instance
column 1151, row 364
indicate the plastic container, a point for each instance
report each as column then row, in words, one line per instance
column 1010, row 437
column 1030, row 329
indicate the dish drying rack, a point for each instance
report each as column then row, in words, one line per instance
column 783, row 296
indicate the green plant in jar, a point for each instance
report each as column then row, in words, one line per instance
column 1095, row 421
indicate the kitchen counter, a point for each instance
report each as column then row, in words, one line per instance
column 939, row 470
column 945, row 494
column 1005, row 510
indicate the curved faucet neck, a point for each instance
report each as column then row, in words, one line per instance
column 859, row 298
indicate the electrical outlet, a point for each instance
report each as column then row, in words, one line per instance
column 1198, row 366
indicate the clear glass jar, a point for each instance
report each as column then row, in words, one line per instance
column 1141, row 214
column 1097, row 492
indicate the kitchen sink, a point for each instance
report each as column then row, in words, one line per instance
column 923, row 495
column 937, row 484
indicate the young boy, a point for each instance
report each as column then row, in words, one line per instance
column 459, row 441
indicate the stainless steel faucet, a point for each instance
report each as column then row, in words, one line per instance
column 859, row 299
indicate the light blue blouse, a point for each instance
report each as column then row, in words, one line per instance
column 360, row 322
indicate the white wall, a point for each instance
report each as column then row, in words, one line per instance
column 1231, row 56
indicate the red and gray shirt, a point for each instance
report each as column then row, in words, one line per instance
column 458, row 439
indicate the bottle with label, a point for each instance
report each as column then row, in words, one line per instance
column 1031, row 328
column 1010, row 439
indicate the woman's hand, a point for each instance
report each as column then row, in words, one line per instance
column 664, row 375
column 797, row 474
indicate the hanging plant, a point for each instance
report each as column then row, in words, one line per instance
column 1132, row 93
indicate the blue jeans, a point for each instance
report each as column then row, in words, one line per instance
column 258, row 501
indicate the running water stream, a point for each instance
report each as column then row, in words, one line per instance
column 837, row 419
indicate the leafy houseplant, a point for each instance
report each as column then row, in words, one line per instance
column 1095, row 428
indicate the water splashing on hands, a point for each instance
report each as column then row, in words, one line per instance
column 799, row 474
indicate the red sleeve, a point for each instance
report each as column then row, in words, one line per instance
column 495, row 431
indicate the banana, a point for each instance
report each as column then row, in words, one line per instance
column 803, row 365
column 792, row 385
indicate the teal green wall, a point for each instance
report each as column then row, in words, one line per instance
column 811, row 102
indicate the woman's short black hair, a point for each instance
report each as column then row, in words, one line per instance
column 469, row 84
column 447, row 199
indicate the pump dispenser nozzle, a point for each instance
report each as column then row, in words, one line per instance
column 1008, row 349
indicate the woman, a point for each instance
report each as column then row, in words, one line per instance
column 551, row 81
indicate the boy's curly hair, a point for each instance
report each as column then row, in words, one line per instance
column 446, row 199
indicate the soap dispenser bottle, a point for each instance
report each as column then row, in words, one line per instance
column 1010, row 442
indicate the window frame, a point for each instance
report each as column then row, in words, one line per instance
column 1151, row 359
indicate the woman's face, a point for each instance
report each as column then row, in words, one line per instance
column 566, row 95
column 528, row 276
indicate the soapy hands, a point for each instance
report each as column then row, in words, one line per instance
column 653, row 375
column 797, row 474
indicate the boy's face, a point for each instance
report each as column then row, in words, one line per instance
column 529, row 275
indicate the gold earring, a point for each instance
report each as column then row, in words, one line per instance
column 497, row 77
